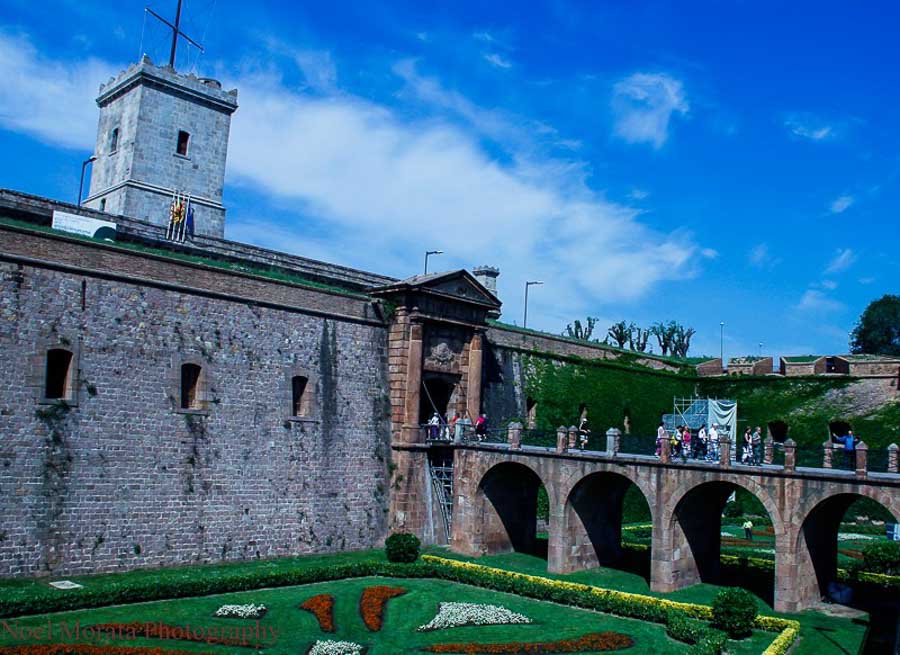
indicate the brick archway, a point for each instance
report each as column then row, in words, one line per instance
column 813, row 542
column 690, row 530
column 588, row 529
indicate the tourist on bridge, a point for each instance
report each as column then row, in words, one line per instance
column 849, row 442
column 661, row 435
column 481, row 427
column 584, row 431
column 434, row 427
column 686, row 444
column 756, row 442
column 701, row 444
column 747, row 452
column 712, row 451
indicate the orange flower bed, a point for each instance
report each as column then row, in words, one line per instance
column 138, row 630
column 591, row 643
column 89, row 649
column 372, row 604
column 322, row 607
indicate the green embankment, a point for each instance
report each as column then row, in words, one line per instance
column 611, row 391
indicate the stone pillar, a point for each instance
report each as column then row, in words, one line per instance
column 514, row 436
column 573, row 437
column 562, row 439
column 862, row 456
column 893, row 459
column 790, row 455
column 725, row 453
column 613, row 441
column 827, row 454
column 473, row 384
column 411, row 431
column 665, row 451
column 769, row 455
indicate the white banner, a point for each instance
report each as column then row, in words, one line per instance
column 84, row 225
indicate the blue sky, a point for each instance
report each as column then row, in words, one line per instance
column 704, row 162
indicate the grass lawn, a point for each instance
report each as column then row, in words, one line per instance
column 298, row 629
column 819, row 634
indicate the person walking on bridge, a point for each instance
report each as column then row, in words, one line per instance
column 661, row 435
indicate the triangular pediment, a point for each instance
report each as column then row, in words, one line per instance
column 460, row 285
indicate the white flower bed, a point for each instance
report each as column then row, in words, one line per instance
column 250, row 611
column 329, row 647
column 452, row 615
column 853, row 536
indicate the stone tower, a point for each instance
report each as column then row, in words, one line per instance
column 162, row 132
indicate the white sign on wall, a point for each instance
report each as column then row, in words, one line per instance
column 84, row 225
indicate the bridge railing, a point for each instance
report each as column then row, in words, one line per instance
column 630, row 444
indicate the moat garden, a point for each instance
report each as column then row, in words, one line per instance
column 361, row 602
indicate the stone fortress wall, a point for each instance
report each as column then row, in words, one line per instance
column 120, row 476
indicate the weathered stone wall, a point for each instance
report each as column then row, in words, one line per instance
column 123, row 478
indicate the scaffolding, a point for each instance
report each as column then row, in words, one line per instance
column 695, row 412
column 441, row 473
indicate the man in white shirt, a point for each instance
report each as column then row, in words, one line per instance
column 712, row 453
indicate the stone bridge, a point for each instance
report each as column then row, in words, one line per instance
column 496, row 487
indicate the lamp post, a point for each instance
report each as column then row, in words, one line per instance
column 428, row 253
column 722, row 342
column 528, row 284
column 81, row 183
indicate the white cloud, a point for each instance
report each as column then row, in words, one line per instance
column 643, row 105
column 831, row 285
column 866, row 280
column 807, row 127
column 497, row 60
column 49, row 100
column 709, row 253
column 816, row 301
column 841, row 204
column 844, row 258
column 638, row 194
column 372, row 188
column 759, row 254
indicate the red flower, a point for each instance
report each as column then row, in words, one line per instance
column 322, row 607
column 590, row 643
column 372, row 604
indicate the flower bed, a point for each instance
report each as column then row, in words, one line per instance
column 454, row 615
column 249, row 611
column 329, row 647
column 592, row 643
column 372, row 603
column 321, row 607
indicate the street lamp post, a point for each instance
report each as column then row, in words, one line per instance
column 722, row 342
column 525, row 317
column 81, row 183
column 428, row 253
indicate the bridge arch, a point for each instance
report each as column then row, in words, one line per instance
column 589, row 530
column 691, row 529
column 506, row 501
column 815, row 542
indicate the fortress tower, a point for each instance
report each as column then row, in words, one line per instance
column 162, row 132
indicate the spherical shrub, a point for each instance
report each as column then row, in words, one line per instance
column 733, row 612
column 402, row 547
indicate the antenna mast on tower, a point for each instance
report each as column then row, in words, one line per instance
column 176, row 32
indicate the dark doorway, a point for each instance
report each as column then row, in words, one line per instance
column 436, row 394
column 838, row 428
column 512, row 491
column 778, row 430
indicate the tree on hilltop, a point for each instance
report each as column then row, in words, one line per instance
column 620, row 333
column 878, row 329
column 581, row 332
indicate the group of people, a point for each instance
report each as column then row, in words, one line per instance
column 458, row 428
column 751, row 453
column 705, row 445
